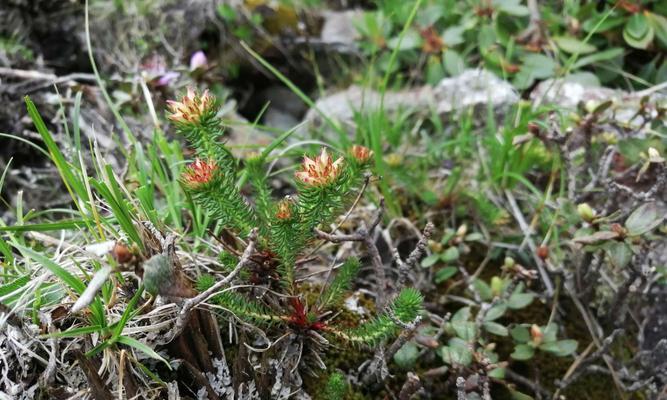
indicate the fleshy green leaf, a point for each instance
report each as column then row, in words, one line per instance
column 597, row 57
column 573, row 45
column 463, row 314
column 539, row 65
column 659, row 25
column 483, row 289
column 451, row 254
column 445, row 273
column 430, row 260
column 560, row 348
column 495, row 312
column 407, row 355
column 550, row 332
column 498, row 373
column 516, row 395
column 602, row 23
column 644, row 219
column 523, row 352
column 520, row 333
column 411, row 40
column 637, row 31
column 466, row 330
column 456, row 353
column 619, row 253
column 637, row 26
column 518, row 299
column 496, row 328
column 453, row 62
column 474, row 237
column 512, row 7
column 453, row 36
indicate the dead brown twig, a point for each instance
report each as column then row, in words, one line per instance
column 404, row 267
column 190, row 304
column 410, row 387
column 365, row 235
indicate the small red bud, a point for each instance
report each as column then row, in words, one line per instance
column 543, row 252
column 534, row 128
column 618, row 228
column 121, row 253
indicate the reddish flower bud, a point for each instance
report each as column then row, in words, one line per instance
column 536, row 334
column 543, row 252
column 284, row 210
column 619, row 229
column 433, row 43
column 361, row 154
column 534, row 128
column 121, row 253
column 199, row 173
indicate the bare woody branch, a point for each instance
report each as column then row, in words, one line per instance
column 190, row 304
column 365, row 235
column 410, row 387
column 404, row 267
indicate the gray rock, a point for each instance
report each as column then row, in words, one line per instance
column 568, row 94
column 473, row 88
column 285, row 108
column 338, row 27
column 342, row 106
column 240, row 136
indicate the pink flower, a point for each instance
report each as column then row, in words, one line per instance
column 155, row 71
column 199, row 173
column 320, row 170
column 198, row 60
column 191, row 107
column 167, row 78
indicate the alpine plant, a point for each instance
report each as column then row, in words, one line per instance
column 325, row 185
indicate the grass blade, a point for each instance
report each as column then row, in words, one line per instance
column 128, row 341
column 72, row 281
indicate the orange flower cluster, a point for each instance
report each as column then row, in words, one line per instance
column 284, row 211
column 191, row 107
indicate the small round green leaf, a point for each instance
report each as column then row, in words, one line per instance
column 496, row 328
column 495, row 312
column 619, row 253
column 451, row 254
column 520, row 300
column 465, row 330
column 407, row 355
column 430, row 260
column 520, row 333
column 523, row 352
column 445, row 273
column 560, row 348
column 637, row 26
